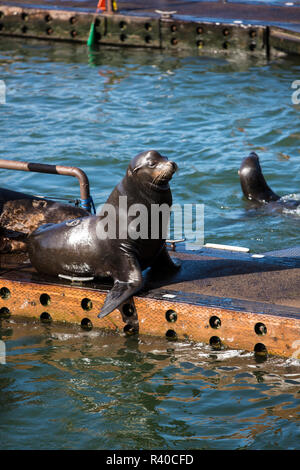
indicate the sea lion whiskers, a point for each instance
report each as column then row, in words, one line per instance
column 166, row 173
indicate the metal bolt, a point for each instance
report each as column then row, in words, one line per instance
column 171, row 316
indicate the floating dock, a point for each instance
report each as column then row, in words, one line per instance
column 196, row 27
column 219, row 297
column 223, row 298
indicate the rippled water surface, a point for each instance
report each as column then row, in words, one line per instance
column 61, row 388
column 97, row 111
column 65, row 389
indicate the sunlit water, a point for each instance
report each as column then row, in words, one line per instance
column 61, row 388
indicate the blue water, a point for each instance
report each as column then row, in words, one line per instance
column 98, row 111
column 65, row 389
column 61, row 388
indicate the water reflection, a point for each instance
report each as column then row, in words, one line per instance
column 142, row 392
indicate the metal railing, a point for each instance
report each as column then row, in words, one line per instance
column 86, row 200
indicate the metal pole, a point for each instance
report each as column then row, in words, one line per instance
column 54, row 170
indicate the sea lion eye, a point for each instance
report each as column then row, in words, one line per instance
column 152, row 164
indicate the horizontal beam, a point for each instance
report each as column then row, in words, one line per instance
column 164, row 315
column 198, row 37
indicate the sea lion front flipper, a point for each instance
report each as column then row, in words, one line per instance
column 120, row 292
column 164, row 263
column 128, row 283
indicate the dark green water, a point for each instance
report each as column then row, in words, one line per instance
column 61, row 388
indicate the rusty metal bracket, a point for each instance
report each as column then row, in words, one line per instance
column 86, row 200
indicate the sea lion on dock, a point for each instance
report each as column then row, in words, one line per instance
column 256, row 189
column 84, row 248
column 21, row 214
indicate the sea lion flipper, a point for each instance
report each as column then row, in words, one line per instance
column 127, row 282
column 120, row 292
column 164, row 263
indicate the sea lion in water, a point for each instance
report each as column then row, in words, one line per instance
column 255, row 187
column 78, row 247
column 21, row 214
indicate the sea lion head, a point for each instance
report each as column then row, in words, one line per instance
column 250, row 163
column 253, row 183
column 152, row 168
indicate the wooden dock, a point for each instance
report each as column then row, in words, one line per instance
column 197, row 27
column 225, row 299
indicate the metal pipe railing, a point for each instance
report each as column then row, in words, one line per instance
column 84, row 184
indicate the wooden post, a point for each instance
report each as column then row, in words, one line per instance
column 109, row 8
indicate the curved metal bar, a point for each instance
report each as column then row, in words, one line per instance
column 54, row 170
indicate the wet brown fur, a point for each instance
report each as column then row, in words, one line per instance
column 20, row 217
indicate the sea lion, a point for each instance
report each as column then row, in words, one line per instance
column 81, row 247
column 21, row 214
column 255, row 187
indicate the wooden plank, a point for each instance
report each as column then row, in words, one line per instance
column 170, row 34
column 285, row 40
column 207, row 38
column 219, row 321
column 43, row 24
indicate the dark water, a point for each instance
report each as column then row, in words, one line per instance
column 61, row 388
